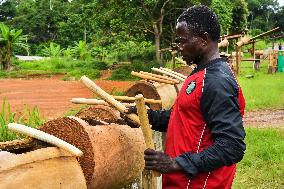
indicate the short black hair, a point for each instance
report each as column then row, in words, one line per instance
column 200, row 19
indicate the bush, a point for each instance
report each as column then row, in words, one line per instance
column 29, row 117
column 123, row 73
column 98, row 65
column 78, row 73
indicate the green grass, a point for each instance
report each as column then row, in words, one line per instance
column 58, row 65
column 263, row 163
column 29, row 117
column 262, row 91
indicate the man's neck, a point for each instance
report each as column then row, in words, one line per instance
column 212, row 54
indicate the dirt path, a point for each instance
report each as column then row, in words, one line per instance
column 265, row 118
column 51, row 95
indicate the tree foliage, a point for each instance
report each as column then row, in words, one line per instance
column 108, row 26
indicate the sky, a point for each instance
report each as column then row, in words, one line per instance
column 281, row 2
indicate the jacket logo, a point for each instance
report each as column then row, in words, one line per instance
column 190, row 87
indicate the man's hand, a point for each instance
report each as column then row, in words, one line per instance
column 131, row 110
column 159, row 161
column 129, row 122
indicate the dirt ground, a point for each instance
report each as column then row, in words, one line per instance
column 52, row 96
column 265, row 118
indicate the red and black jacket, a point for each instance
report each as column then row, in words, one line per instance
column 205, row 131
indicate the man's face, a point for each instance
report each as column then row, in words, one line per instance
column 189, row 45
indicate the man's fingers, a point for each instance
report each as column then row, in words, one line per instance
column 150, row 163
column 151, row 157
column 150, row 152
column 130, row 110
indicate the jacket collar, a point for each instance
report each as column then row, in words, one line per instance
column 206, row 65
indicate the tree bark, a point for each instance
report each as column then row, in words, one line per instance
column 8, row 58
column 157, row 42
column 1, row 59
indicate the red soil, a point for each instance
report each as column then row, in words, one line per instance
column 51, row 95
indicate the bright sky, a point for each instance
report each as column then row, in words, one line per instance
column 281, row 2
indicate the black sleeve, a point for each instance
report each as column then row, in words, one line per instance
column 159, row 119
column 220, row 107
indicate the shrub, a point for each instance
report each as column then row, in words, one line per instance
column 29, row 117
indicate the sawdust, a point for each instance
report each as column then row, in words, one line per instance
column 94, row 114
column 74, row 133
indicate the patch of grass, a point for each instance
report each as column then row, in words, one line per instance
column 263, row 163
column 74, row 111
column 29, row 117
column 56, row 65
column 263, row 90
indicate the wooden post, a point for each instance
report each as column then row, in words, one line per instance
column 149, row 180
column 238, row 60
column 253, row 53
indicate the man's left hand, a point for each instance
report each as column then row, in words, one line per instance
column 159, row 161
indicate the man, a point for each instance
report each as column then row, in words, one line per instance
column 205, row 134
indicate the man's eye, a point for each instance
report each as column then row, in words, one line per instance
column 180, row 40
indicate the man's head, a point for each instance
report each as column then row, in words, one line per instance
column 198, row 32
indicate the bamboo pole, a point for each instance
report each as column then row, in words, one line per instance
column 173, row 72
column 102, row 102
column 88, row 101
column 160, row 76
column 128, row 98
column 169, row 74
column 152, row 78
column 108, row 98
column 40, row 135
column 145, row 126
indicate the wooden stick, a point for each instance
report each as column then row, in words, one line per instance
column 152, row 78
column 40, row 135
column 167, row 73
column 88, row 101
column 145, row 126
column 160, row 76
column 102, row 102
column 173, row 72
column 108, row 98
column 128, row 98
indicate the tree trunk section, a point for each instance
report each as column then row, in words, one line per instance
column 44, row 168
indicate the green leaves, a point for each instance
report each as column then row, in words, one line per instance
column 53, row 50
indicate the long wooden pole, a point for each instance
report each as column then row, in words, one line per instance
column 88, row 101
column 40, row 135
column 108, row 98
column 160, row 76
column 168, row 73
column 148, row 177
column 173, row 72
column 102, row 102
column 152, row 78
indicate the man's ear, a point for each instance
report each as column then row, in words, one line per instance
column 205, row 39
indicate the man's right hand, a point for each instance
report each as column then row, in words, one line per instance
column 130, row 110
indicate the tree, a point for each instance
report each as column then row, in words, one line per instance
column 10, row 38
column 240, row 14
column 7, row 11
column 224, row 11
column 261, row 13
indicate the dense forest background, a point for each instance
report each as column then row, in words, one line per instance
column 122, row 28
